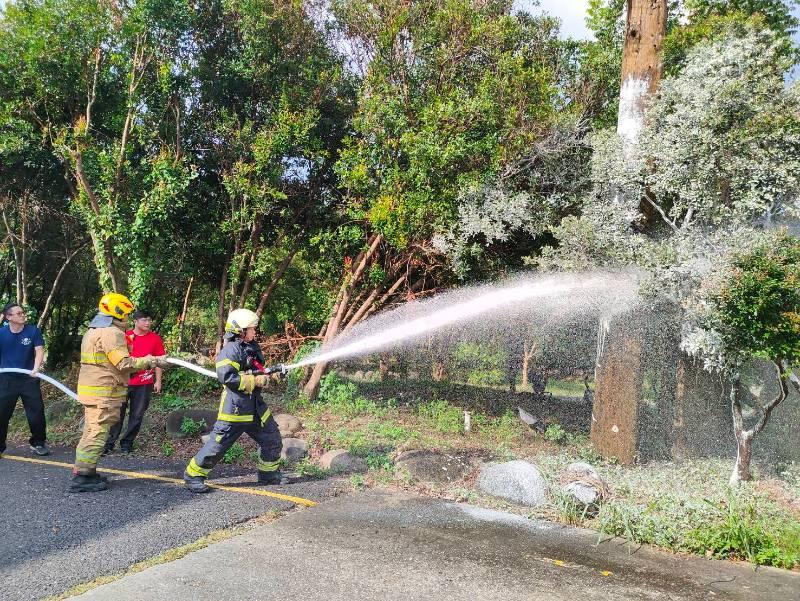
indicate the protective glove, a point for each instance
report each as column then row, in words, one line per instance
column 262, row 380
column 161, row 362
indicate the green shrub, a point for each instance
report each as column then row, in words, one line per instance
column 306, row 469
column 171, row 402
column 167, row 450
column 479, row 364
column 740, row 531
column 179, row 381
column 294, row 393
column 191, row 427
column 442, row 416
column 235, row 454
column 341, row 397
column 555, row 433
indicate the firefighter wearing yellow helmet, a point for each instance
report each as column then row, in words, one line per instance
column 102, row 385
column 241, row 408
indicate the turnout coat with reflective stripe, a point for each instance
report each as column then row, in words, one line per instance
column 241, row 401
column 106, row 366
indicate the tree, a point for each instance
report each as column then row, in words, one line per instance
column 641, row 63
column 755, row 312
column 453, row 93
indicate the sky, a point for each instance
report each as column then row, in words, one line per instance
column 571, row 12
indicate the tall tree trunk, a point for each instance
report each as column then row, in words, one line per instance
column 282, row 267
column 182, row 318
column 312, row 386
column 641, row 63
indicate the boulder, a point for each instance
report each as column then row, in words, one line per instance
column 341, row 461
column 582, row 482
column 294, row 449
column 429, row 466
column 520, row 482
column 175, row 419
column 580, row 468
column 289, row 425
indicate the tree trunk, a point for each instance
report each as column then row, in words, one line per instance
column 182, row 318
column 641, row 63
column 312, row 386
column 46, row 312
column 282, row 267
column 744, row 453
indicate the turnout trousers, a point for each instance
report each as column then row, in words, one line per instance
column 12, row 388
column 264, row 432
column 97, row 423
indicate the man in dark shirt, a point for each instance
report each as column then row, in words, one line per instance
column 22, row 347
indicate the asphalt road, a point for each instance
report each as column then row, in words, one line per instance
column 394, row 546
column 51, row 540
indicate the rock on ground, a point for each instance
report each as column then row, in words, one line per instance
column 429, row 466
column 339, row 460
column 516, row 481
column 289, row 425
column 582, row 482
column 294, row 449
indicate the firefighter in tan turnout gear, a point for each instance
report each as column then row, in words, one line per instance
column 106, row 366
column 241, row 408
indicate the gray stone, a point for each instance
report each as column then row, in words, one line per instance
column 175, row 419
column 341, row 461
column 583, row 492
column 429, row 466
column 288, row 424
column 582, row 469
column 294, row 449
column 517, row 481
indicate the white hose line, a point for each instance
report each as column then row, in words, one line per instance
column 193, row 367
column 41, row 376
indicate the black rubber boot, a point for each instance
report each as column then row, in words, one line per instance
column 275, row 478
column 90, row 483
column 195, row 483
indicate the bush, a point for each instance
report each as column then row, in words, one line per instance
column 341, row 397
column 479, row 364
column 191, row 427
column 741, row 532
column 235, row 454
column 556, row 434
column 179, row 381
column 442, row 416
column 170, row 402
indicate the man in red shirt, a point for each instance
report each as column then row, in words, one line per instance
column 141, row 342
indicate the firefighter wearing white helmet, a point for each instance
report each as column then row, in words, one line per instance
column 241, row 408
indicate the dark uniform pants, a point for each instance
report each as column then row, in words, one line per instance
column 12, row 387
column 224, row 434
column 138, row 400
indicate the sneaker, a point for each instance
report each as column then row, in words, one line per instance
column 106, row 451
column 126, row 450
column 40, row 449
column 195, row 484
column 275, row 478
column 91, row 483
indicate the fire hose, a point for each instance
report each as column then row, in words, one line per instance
column 280, row 368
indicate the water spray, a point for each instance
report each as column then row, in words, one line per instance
column 516, row 295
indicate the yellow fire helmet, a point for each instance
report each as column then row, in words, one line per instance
column 239, row 320
column 116, row 305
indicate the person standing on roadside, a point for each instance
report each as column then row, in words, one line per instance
column 142, row 342
column 22, row 347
